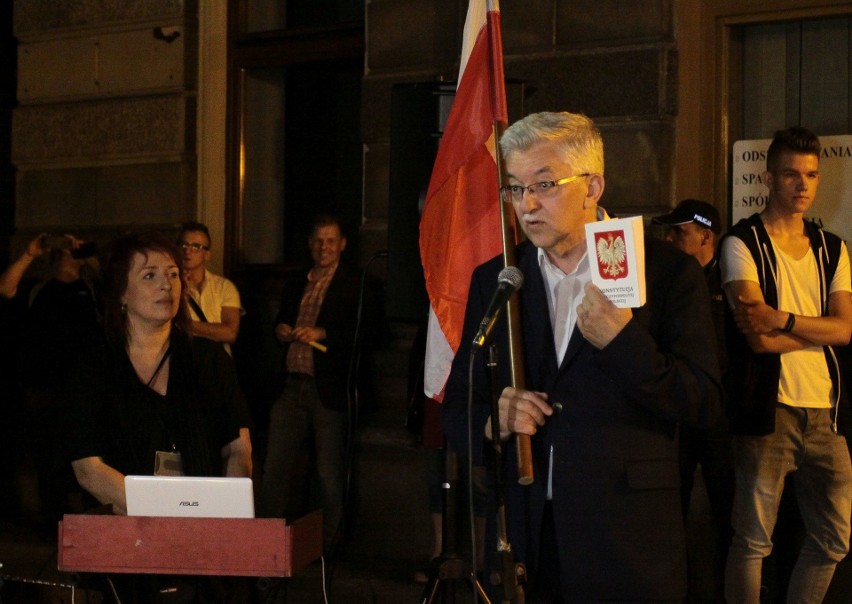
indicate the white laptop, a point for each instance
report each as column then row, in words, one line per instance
column 189, row 496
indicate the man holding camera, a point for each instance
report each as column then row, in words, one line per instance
column 61, row 324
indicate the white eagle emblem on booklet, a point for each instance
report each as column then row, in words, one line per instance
column 612, row 254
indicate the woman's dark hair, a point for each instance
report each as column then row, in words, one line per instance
column 116, row 271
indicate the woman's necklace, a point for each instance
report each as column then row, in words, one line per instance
column 162, row 362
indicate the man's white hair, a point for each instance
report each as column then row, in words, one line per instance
column 574, row 134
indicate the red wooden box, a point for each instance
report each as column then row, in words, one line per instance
column 250, row 547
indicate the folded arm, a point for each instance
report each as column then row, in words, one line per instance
column 763, row 326
column 225, row 331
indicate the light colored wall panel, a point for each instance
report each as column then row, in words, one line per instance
column 54, row 69
column 121, row 63
column 47, row 17
column 134, row 61
column 109, row 196
column 105, row 132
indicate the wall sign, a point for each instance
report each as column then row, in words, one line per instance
column 833, row 205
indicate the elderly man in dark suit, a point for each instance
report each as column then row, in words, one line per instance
column 602, row 520
column 316, row 322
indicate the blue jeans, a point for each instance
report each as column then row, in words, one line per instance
column 803, row 445
column 296, row 416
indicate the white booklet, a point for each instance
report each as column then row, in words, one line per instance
column 617, row 258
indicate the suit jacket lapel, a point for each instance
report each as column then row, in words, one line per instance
column 575, row 345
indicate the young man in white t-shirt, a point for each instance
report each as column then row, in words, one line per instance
column 214, row 301
column 788, row 285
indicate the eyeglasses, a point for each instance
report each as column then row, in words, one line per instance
column 544, row 189
column 195, row 247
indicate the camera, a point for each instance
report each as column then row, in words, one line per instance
column 55, row 242
column 63, row 242
column 86, row 250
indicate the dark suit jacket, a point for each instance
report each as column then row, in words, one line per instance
column 615, row 477
column 338, row 315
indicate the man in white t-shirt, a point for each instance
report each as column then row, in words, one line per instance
column 788, row 284
column 214, row 301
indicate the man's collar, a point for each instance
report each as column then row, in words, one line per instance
column 199, row 285
column 327, row 272
column 545, row 263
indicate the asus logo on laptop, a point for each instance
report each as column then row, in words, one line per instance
column 189, row 503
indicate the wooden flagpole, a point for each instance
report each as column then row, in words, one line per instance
column 516, row 357
column 507, row 222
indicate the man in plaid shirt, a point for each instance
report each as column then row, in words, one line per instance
column 316, row 323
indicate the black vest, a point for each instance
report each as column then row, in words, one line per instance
column 751, row 382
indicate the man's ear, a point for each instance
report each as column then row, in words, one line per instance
column 342, row 243
column 768, row 179
column 596, row 185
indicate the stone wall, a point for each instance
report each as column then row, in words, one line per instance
column 614, row 60
column 104, row 133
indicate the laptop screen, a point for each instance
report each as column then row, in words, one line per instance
column 189, row 496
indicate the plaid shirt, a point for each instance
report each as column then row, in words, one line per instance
column 300, row 356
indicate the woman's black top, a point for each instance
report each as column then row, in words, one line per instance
column 115, row 416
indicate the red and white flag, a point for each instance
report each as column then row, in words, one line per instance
column 460, row 227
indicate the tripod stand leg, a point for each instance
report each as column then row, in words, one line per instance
column 445, row 575
column 431, row 590
column 446, row 570
column 481, row 591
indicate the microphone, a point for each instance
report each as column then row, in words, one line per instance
column 509, row 281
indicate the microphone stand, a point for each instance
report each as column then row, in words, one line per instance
column 448, row 566
column 512, row 574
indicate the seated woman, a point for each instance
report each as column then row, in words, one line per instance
column 154, row 400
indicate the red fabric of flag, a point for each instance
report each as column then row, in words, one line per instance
column 460, row 227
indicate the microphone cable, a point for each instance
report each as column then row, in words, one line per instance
column 470, row 505
column 353, row 404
